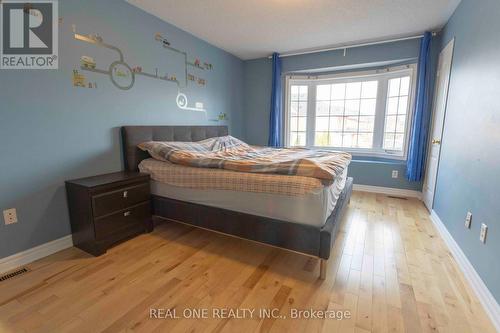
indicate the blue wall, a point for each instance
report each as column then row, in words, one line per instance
column 468, row 176
column 51, row 131
column 257, row 87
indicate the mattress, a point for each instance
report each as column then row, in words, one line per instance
column 311, row 208
column 218, row 179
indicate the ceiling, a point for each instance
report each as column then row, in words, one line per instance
column 255, row 28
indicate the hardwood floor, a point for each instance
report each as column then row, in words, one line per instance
column 390, row 270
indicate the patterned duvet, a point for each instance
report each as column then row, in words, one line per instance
column 231, row 154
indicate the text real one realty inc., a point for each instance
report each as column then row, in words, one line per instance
column 243, row 313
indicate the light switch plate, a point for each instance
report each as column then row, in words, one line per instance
column 468, row 220
column 395, row 173
column 10, row 216
column 484, row 231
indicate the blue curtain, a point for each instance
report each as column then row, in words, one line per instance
column 276, row 117
column 420, row 126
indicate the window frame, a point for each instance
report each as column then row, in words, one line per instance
column 383, row 76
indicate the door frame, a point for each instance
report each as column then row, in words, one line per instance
column 431, row 127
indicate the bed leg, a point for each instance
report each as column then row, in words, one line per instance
column 322, row 268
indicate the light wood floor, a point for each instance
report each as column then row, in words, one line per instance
column 390, row 269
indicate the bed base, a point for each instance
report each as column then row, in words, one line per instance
column 323, row 265
column 304, row 239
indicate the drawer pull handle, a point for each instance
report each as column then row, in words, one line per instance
column 125, row 194
column 127, row 214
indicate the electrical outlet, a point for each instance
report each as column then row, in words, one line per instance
column 468, row 220
column 10, row 216
column 395, row 173
column 484, row 231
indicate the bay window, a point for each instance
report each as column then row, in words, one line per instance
column 365, row 113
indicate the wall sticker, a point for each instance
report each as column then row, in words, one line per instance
column 123, row 76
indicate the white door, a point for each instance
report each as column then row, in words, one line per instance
column 438, row 113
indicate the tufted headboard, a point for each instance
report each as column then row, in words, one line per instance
column 134, row 135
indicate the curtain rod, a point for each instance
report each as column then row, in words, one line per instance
column 351, row 46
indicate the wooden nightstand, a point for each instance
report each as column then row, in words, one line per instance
column 107, row 209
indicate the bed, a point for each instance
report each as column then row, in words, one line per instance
column 306, row 223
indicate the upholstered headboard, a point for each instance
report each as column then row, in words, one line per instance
column 134, row 135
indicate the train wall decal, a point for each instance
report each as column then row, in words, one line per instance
column 123, row 76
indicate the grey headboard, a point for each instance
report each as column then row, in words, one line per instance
column 134, row 135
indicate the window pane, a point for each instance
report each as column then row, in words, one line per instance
column 397, row 109
column 302, row 108
column 303, row 93
column 389, row 141
column 323, row 92
column 398, row 142
column 353, row 90
column 337, row 108
column 294, row 93
column 321, row 139
column 366, row 123
column 322, row 124
column 302, row 123
column 294, row 124
column 405, row 86
column 368, row 107
column 390, row 124
column 322, row 108
column 394, row 87
column 351, row 107
column 403, row 105
column 400, row 126
column 338, row 91
column 335, row 139
column 294, row 109
column 348, row 101
column 298, row 113
column 302, row 138
column 369, row 89
column 349, row 140
column 297, row 139
column 336, row 124
column 392, row 105
column 365, row 140
column 350, row 124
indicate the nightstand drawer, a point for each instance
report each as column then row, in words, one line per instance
column 111, row 224
column 120, row 199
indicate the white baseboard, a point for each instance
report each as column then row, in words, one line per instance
column 388, row 191
column 483, row 294
column 38, row 252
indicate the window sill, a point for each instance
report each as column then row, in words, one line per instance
column 368, row 155
column 377, row 160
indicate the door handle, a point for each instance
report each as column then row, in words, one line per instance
column 436, row 142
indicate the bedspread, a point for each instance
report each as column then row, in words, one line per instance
column 232, row 154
